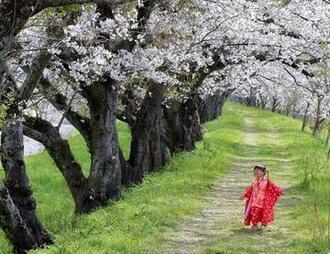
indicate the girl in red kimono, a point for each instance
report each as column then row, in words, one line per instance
column 261, row 197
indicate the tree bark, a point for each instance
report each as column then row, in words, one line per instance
column 252, row 98
column 158, row 151
column 263, row 101
column 13, row 224
column 17, row 181
column 100, row 133
column 210, row 108
column 59, row 149
column 318, row 120
column 275, row 103
column 127, row 171
column 105, row 177
column 183, row 127
column 104, row 181
column 148, row 150
column 305, row 119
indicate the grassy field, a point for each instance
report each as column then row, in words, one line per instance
column 311, row 172
column 299, row 161
column 136, row 223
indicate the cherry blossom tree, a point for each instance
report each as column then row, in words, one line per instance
column 163, row 67
column 18, row 218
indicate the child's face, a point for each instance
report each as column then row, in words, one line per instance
column 258, row 173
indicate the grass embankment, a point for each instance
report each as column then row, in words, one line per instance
column 297, row 161
column 136, row 223
column 311, row 172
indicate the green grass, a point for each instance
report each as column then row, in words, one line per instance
column 308, row 213
column 311, row 174
column 138, row 222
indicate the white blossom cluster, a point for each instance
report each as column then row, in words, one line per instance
column 253, row 43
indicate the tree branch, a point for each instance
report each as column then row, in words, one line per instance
column 58, row 148
column 58, row 100
column 57, row 3
column 296, row 81
column 36, row 70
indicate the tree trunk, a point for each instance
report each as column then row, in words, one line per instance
column 59, row 149
column 275, row 103
column 148, row 150
column 317, row 124
column 252, row 98
column 105, row 177
column 263, row 101
column 127, row 171
column 305, row 119
column 158, row 152
column 183, row 127
column 104, row 181
column 17, row 181
column 13, row 224
column 210, row 108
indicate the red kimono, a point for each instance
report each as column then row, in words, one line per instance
column 261, row 197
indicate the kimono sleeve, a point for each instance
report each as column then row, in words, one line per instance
column 248, row 192
column 275, row 189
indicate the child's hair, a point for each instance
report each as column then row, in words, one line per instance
column 262, row 168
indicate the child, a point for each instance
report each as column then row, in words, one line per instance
column 261, row 197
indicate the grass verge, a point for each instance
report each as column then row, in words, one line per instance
column 136, row 223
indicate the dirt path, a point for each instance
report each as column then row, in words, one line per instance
column 219, row 225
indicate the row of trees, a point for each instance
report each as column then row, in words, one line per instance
column 292, row 94
column 163, row 67
column 303, row 91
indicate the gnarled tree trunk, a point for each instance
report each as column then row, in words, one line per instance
column 105, row 176
column 60, row 151
column 318, row 119
column 275, row 103
column 183, row 127
column 18, row 184
column 263, row 100
column 100, row 133
column 158, row 151
column 252, row 100
column 148, row 150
